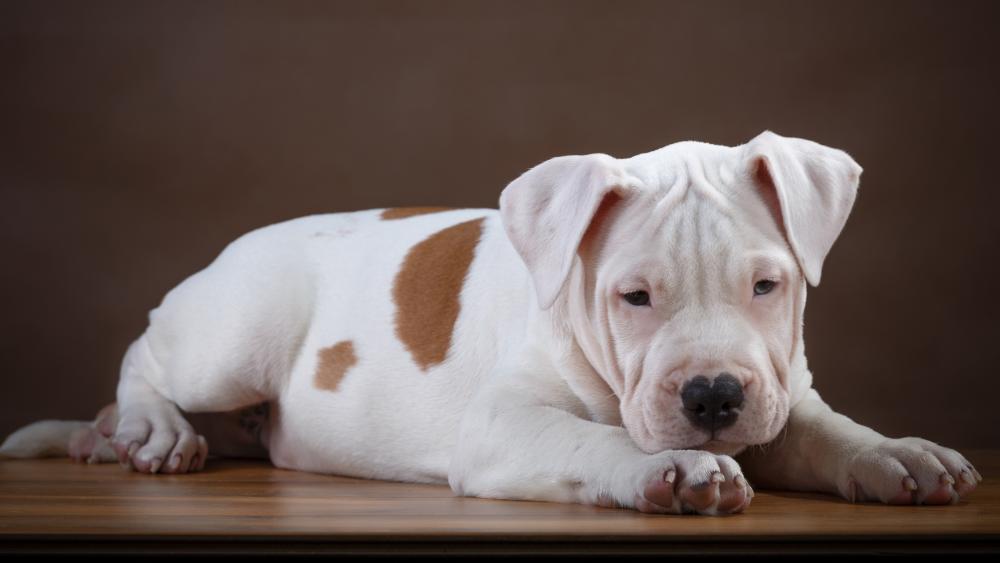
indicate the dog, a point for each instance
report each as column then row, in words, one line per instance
column 614, row 335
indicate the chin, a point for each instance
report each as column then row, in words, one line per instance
column 719, row 447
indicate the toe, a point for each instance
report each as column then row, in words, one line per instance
column 907, row 493
column 107, row 420
column 198, row 463
column 734, row 495
column 880, row 476
column 151, row 457
column 130, row 436
column 179, row 459
column 704, row 495
column 734, row 491
column 966, row 483
column 929, row 474
column 976, row 473
column 945, row 492
column 962, row 480
column 661, row 490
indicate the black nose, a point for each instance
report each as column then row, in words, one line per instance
column 712, row 405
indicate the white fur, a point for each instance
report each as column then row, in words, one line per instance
column 45, row 438
column 553, row 388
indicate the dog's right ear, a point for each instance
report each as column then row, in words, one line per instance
column 547, row 210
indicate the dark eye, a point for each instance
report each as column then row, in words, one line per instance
column 763, row 286
column 637, row 298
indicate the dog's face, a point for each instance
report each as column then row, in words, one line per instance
column 685, row 280
column 702, row 317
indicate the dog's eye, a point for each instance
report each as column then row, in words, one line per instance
column 763, row 286
column 637, row 298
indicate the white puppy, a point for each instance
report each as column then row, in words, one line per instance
column 611, row 336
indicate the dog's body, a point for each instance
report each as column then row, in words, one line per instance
column 612, row 336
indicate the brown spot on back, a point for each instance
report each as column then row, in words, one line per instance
column 334, row 361
column 404, row 212
column 427, row 289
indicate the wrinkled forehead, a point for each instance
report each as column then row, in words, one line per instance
column 698, row 210
column 676, row 167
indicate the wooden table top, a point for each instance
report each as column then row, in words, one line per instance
column 58, row 505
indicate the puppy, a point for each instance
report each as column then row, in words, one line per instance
column 613, row 335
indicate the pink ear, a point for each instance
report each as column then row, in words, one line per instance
column 815, row 187
column 547, row 210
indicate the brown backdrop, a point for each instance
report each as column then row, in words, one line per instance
column 138, row 138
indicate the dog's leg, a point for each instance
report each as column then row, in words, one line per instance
column 821, row 450
column 521, row 441
column 237, row 434
column 152, row 434
column 224, row 339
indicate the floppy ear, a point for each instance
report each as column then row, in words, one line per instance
column 547, row 210
column 815, row 188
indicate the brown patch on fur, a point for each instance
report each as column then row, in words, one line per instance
column 334, row 362
column 404, row 212
column 427, row 289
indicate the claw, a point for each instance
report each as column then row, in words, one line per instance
column 852, row 490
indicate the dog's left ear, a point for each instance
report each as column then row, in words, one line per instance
column 815, row 187
column 548, row 209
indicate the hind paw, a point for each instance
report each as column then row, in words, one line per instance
column 87, row 444
column 158, row 440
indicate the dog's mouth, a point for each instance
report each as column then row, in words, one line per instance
column 719, row 447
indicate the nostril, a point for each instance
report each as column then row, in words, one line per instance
column 728, row 390
column 712, row 405
column 696, row 394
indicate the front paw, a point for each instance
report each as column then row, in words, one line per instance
column 679, row 482
column 907, row 471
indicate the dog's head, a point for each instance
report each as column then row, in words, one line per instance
column 681, row 274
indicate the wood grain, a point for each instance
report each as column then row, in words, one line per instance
column 57, row 504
